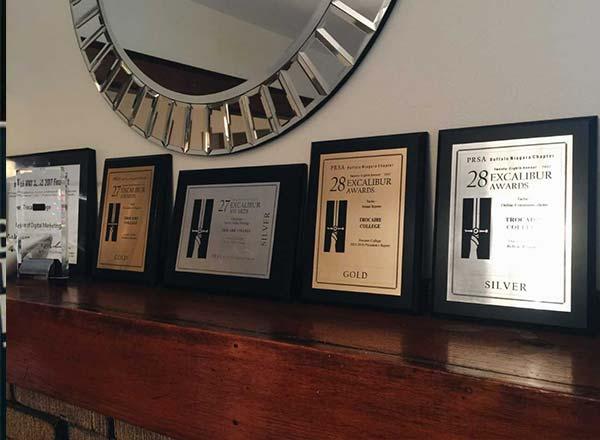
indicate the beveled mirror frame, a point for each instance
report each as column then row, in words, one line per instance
column 185, row 124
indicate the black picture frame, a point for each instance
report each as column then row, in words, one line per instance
column 282, row 282
column 412, row 280
column 158, row 228
column 583, row 270
column 88, row 199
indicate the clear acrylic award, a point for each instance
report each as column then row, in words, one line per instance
column 41, row 222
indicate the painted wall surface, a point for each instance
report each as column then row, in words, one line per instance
column 438, row 64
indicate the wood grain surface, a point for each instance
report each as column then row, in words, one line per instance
column 198, row 366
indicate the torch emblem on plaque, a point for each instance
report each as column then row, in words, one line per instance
column 335, row 225
column 476, row 227
column 112, row 225
column 200, row 229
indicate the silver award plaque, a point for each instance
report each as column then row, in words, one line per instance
column 228, row 229
column 510, row 223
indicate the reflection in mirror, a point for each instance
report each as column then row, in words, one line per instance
column 220, row 76
column 200, row 47
column 140, row 118
column 127, row 105
column 261, row 120
column 157, row 127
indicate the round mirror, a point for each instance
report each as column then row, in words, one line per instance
column 220, row 76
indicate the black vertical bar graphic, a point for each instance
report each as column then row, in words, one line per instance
column 329, row 225
column 204, row 233
column 485, row 225
column 115, row 228
column 194, row 228
column 109, row 221
column 467, row 227
column 340, row 243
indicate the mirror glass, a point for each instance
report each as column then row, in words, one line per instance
column 201, row 47
column 212, row 77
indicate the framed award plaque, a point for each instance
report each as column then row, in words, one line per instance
column 236, row 230
column 515, row 224
column 82, row 205
column 134, row 210
column 364, row 223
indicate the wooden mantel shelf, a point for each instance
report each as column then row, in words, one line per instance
column 198, row 366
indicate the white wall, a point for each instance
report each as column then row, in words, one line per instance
column 438, row 64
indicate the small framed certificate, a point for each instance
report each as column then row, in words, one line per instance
column 364, row 224
column 237, row 230
column 134, row 210
column 80, row 167
column 515, row 222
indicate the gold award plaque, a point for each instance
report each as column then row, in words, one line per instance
column 360, row 222
column 125, row 219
